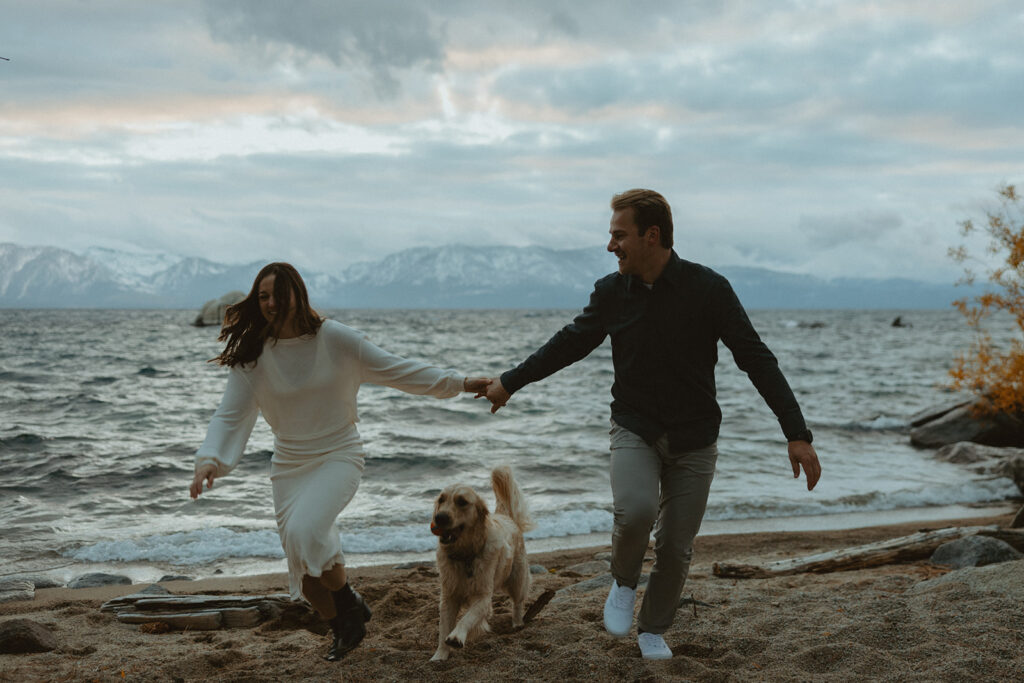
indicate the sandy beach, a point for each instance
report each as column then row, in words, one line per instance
column 872, row 624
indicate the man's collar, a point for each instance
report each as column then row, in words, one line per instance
column 672, row 274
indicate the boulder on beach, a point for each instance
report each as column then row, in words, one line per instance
column 1012, row 466
column 20, row 636
column 99, row 579
column 975, row 551
column 1006, row 578
column 966, row 423
column 1002, row 462
column 212, row 312
column 16, row 589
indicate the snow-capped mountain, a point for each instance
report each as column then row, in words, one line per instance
column 452, row 276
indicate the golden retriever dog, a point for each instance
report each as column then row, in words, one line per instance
column 477, row 553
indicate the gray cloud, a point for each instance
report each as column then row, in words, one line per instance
column 382, row 37
column 835, row 230
column 809, row 137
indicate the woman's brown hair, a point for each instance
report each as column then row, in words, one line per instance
column 245, row 329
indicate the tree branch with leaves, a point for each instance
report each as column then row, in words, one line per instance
column 993, row 373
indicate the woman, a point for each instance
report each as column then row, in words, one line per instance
column 302, row 372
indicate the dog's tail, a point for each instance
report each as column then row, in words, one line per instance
column 509, row 499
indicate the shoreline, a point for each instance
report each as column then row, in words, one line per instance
column 892, row 622
column 150, row 572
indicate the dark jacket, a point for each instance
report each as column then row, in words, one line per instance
column 664, row 350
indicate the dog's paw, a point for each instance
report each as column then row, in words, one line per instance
column 441, row 654
column 453, row 641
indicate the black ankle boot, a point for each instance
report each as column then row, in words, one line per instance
column 348, row 625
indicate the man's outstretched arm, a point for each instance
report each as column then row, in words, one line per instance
column 571, row 343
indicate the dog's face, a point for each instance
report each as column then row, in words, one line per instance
column 457, row 509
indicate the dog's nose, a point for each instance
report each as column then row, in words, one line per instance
column 442, row 519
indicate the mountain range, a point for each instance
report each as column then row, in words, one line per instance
column 453, row 276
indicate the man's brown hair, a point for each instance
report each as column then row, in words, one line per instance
column 649, row 208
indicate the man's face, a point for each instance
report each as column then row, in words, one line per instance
column 632, row 250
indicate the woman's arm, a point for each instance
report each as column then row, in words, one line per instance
column 410, row 376
column 227, row 434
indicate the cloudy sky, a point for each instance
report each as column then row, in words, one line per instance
column 824, row 137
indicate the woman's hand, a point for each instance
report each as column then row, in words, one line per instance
column 477, row 385
column 207, row 472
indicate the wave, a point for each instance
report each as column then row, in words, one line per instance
column 26, row 442
column 206, row 546
column 963, row 493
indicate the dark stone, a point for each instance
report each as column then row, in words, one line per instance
column 965, row 424
column 155, row 589
column 174, row 577
column 1013, row 467
column 416, row 564
column 19, row 636
column 44, row 581
column 99, row 579
column 1018, row 521
column 935, row 412
column 974, row 551
column 538, row 569
column 16, row 589
column 967, row 453
column 38, row 580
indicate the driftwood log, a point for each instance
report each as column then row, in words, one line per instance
column 917, row 546
column 198, row 612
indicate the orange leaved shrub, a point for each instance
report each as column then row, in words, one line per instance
column 995, row 374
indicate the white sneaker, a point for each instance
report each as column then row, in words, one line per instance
column 618, row 609
column 652, row 646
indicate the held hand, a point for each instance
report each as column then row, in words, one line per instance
column 207, row 472
column 476, row 385
column 496, row 394
column 802, row 454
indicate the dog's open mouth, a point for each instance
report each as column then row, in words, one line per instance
column 446, row 536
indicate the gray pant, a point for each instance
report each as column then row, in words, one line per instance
column 652, row 485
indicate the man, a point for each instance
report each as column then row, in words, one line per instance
column 665, row 317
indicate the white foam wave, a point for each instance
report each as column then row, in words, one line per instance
column 883, row 422
column 962, row 493
column 188, row 547
column 206, row 546
column 209, row 545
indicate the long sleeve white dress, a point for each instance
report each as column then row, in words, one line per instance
column 306, row 388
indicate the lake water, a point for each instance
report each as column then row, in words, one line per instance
column 102, row 412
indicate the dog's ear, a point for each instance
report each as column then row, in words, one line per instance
column 481, row 508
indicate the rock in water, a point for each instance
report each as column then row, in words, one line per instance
column 16, row 589
column 212, row 312
column 974, row 551
column 99, row 579
column 1018, row 520
column 19, row 636
column 1012, row 466
column 966, row 424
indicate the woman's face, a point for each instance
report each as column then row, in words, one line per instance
column 269, row 305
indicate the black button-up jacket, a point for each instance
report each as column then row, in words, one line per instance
column 664, row 350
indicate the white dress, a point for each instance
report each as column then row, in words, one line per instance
column 306, row 388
